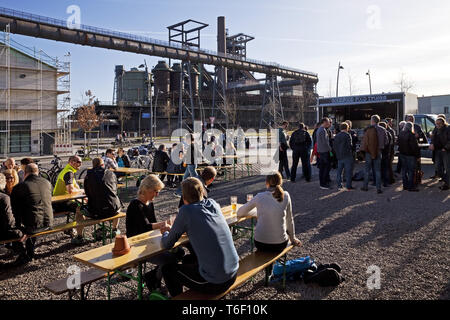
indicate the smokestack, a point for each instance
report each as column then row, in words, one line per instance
column 222, row 45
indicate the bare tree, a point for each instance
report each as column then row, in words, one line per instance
column 168, row 111
column 330, row 90
column 87, row 118
column 122, row 114
column 352, row 89
column 404, row 83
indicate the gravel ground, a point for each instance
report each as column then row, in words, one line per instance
column 405, row 234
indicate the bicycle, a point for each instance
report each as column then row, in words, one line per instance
column 52, row 173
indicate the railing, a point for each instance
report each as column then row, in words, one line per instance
column 60, row 23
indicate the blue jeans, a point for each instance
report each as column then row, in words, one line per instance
column 346, row 163
column 408, row 167
column 373, row 163
column 324, row 165
column 190, row 171
column 442, row 163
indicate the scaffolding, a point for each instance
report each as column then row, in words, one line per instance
column 34, row 83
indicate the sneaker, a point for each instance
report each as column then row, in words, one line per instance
column 350, row 189
column 413, row 190
column 444, row 187
column 325, row 188
column 340, row 187
column 364, row 189
column 379, row 191
column 78, row 240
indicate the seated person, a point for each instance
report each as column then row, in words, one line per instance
column 160, row 161
column 12, row 179
column 123, row 161
column 23, row 163
column 32, row 208
column 206, row 178
column 100, row 186
column 67, row 184
column 8, row 228
column 275, row 225
column 217, row 261
column 175, row 167
column 9, row 163
column 141, row 218
column 110, row 160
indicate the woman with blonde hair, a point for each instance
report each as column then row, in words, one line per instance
column 275, row 226
column 12, row 179
column 141, row 218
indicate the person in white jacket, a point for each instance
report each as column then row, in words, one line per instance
column 275, row 226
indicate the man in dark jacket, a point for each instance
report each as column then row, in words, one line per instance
column 32, row 208
column 440, row 144
column 100, row 186
column 354, row 136
column 342, row 146
column 301, row 144
column 282, row 150
column 390, row 129
column 161, row 161
column 409, row 152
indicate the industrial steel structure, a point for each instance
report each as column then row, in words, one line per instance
column 219, row 94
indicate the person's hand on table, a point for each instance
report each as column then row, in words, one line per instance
column 24, row 238
column 297, row 242
column 165, row 228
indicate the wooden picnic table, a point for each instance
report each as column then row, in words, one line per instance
column 129, row 171
column 69, row 196
column 143, row 247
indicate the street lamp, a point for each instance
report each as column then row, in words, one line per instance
column 370, row 81
column 337, row 85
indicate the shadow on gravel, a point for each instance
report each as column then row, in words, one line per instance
column 445, row 295
column 391, row 220
column 58, row 250
column 7, row 272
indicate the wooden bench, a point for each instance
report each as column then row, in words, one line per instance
column 70, row 225
column 248, row 267
column 86, row 279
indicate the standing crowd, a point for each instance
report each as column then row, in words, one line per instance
column 338, row 149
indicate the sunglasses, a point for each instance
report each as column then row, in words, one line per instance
column 9, row 178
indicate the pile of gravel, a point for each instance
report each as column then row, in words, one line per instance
column 404, row 234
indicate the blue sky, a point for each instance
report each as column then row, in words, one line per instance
column 387, row 37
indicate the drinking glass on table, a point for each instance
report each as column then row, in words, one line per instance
column 172, row 219
column 233, row 200
column 249, row 197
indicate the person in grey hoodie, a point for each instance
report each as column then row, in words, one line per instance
column 217, row 261
column 344, row 153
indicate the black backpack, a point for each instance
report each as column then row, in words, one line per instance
column 326, row 275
